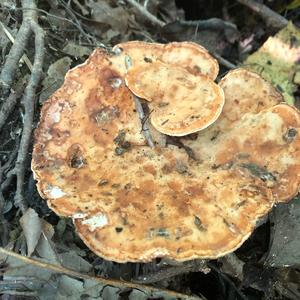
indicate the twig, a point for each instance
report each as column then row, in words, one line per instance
column 89, row 38
column 3, row 223
column 145, row 127
column 9, row 177
column 212, row 23
column 139, row 109
column 11, row 38
column 16, row 52
column 56, row 269
column 270, row 17
column 8, row 106
column 49, row 15
column 29, row 25
column 144, row 12
column 28, row 101
column 20, row 293
column 168, row 272
column 224, row 62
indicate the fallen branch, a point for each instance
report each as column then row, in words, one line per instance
column 29, row 25
column 213, row 23
column 16, row 52
column 19, row 261
column 11, row 38
column 69, row 10
column 145, row 13
column 28, row 102
column 171, row 271
column 269, row 16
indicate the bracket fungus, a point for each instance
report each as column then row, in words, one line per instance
column 131, row 202
column 183, row 103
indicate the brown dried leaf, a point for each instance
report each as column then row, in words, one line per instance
column 55, row 77
column 32, row 228
column 116, row 17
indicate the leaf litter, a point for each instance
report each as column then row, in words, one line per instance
column 59, row 261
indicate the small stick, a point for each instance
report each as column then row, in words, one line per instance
column 30, row 17
column 139, row 109
column 8, row 106
column 144, row 12
column 224, row 62
column 11, row 38
column 169, row 272
column 145, row 127
column 212, row 23
column 270, row 17
column 16, row 52
column 4, row 226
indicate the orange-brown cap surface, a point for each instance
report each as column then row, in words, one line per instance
column 255, row 133
column 191, row 56
column 181, row 103
column 130, row 202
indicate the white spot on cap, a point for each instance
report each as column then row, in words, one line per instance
column 117, row 50
column 156, row 252
column 97, row 221
column 115, row 82
column 79, row 216
column 56, row 117
column 54, row 192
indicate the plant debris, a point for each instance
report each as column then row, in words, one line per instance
column 40, row 41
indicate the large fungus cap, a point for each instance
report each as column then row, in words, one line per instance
column 130, row 202
column 181, row 103
column 255, row 132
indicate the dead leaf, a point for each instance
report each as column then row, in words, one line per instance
column 110, row 292
column 169, row 10
column 116, row 17
column 45, row 247
column 55, row 282
column 77, row 51
column 74, row 262
column 32, row 227
column 285, row 245
column 138, row 295
column 92, row 288
column 70, row 287
column 278, row 61
column 214, row 34
column 60, row 21
column 55, row 77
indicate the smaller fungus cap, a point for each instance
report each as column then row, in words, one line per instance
column 246, row 92
column 190, row 56
column 180, row 102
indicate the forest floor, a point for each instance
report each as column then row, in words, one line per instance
column 39, row 42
